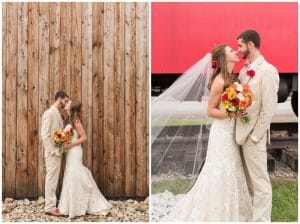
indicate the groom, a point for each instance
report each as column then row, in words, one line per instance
column 51, row 122
column 263, row 79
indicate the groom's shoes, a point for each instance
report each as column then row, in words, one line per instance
column 54, row 212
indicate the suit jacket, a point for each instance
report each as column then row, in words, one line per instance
column 51, row 122
column 264, row 86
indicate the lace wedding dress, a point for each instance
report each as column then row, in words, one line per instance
column 80, row 194
column 220, row 192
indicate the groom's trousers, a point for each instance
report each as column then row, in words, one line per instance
column 254, row 157
column 53, row 164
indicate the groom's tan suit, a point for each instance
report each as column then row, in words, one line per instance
column 253, row 136
column 51, row 122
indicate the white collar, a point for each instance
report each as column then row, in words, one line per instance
column 257, row 61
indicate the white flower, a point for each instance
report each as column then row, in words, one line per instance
column 239, row 88
column 231, row 108
column 240, row 96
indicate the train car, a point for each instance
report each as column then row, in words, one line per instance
column 182, row 33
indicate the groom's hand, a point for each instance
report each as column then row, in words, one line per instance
column 244, row 113
column 52, row 153
column 67, row 145
column 252, row 140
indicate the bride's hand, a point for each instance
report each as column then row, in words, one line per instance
column 67, row 145
column 243, row 113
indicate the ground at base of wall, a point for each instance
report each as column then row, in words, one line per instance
column 28, row 211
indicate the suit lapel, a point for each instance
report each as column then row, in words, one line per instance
column 255, row 66
column 258, row 63
column 243, row 76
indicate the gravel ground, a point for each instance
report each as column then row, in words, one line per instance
column 283, row 172
column 28, row 211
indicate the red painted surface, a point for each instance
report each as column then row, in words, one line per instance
column 182, row 33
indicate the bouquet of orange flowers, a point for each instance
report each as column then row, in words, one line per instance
column 237, row 98
column 62, row 136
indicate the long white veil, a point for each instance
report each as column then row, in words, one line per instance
column 179, row 122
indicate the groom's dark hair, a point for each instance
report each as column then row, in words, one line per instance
column 60, row 94
column 250, row 35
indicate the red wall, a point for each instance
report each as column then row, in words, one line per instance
column 182, row 33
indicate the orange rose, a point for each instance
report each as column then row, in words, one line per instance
column 246, row 86
column 243, row 105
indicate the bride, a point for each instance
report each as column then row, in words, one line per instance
column 80, row 194
column 220, row 192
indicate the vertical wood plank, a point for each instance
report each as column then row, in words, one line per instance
column 119, row 167
column 147, row 100
column 65, row 48
column 87, row 79
column 98, row 76
column 22, row 72
column 4, row 74
column 54, row 49
column 109, row 97
column 75, row 51
column 11, row 100
column 44, row 102
column 130, row 70
column 141, row 98
column 33, row 116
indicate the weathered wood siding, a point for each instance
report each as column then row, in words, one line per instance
column 98, row 54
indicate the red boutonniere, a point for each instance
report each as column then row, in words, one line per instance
column 251, row 73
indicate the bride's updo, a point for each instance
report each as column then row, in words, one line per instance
column 219, row 64
column 75, row 111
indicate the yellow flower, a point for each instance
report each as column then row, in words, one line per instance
column 225, row 105
column 231, row 95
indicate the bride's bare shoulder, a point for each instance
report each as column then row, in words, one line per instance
column 77, row 123
column 219, row 82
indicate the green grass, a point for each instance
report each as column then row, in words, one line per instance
column 285, row 201
column 285, row 196
column 186, row 122
column 176, row 186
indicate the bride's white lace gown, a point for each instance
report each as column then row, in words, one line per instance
column 220, row 192
column 80, row 194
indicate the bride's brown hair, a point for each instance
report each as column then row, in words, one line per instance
column 75, row 111
column 218, row 58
